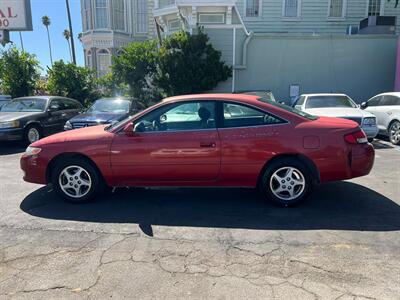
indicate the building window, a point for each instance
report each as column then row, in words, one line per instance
column 174, row 25
column 211, row 18
column 337, row 8
column 141, row 16
column 119, row 14
column 101, row 14
column 252, row 8
column 89, row 59
column 374, row 7
column 87, row 15
column 291, row 8
column 103, row 62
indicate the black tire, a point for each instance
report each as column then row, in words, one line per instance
column 370, row 140
column 393, row 130
column 301, row 173
column 92, row 174
column 27, row 136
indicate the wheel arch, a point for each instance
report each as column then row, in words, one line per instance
column 69, row 155
column 300, row 157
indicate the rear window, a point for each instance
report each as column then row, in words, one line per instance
column 329, row 101
column 292, row 110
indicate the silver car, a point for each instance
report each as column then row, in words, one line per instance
column 339, row 106
column 386, row 108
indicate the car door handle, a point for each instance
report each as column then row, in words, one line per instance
column 208, row 145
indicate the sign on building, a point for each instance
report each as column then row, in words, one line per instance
column 15, row 15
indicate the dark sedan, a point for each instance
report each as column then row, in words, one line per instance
column 29, row 119
column 103, row 111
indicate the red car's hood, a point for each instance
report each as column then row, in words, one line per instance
column 86, row 134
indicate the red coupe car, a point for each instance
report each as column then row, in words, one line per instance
column 215, row 140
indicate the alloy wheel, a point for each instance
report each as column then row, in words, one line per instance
column 287, row 183
column 33, row 135
column 395, row 133
column 75, row 181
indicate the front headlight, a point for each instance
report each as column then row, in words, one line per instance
column 68, row 125
column 369, row 121
column 12, row 124
column 32, row 151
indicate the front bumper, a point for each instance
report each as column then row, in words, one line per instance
column 370, row 131
column 34, row 169
column 12, row 134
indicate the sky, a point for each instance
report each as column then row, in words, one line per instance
column 35, row 41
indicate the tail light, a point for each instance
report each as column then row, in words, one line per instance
column 357, row 137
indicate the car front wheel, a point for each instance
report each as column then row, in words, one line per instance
column 32, row 134
column 287, row 182
column 394, row 133
column 76, row 180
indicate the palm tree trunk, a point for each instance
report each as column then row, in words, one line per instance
column 48, row 37
column 70, row 53
column 72, row 34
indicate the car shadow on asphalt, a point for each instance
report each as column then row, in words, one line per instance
column 335, row 206
column 11, row 148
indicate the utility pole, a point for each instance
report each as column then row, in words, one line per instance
column 21, row 40
column 72, row 34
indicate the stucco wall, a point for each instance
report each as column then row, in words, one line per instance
column 360, row 66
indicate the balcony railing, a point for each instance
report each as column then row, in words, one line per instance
column 378, row 24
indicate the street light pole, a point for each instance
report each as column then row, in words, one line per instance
column 72, row 34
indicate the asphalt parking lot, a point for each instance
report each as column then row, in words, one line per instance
column 344, row 243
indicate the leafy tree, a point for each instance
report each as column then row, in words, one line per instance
column 69, row 80
column 19, row 72
column 46, row 22
column 189, row 64
column 136, row 68
column 109, row 87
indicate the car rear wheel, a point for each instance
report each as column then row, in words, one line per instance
column 32, row 134
column 76, row 180
column 287, row 182
column 394, row 133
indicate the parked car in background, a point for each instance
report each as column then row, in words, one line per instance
column 29, row 119
column 195, row 140
column 386, row 108
column 339, row 106
column 103, row 111
column 4, row 99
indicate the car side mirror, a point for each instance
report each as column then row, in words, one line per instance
column 128, row 130
column 364, row 105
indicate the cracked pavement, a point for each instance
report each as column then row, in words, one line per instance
column 344, row 243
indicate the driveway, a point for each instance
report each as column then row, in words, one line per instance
column 344, row 243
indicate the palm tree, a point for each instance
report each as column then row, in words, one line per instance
column 67, row 36
column 46, row 22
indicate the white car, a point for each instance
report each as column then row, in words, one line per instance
column 339, row 106
column 386, row 108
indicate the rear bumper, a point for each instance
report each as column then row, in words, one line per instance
column 370, row 131
column 11, row 134
column 361, row 160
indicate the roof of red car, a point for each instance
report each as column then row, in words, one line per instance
column 239, row 97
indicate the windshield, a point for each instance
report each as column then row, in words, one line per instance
column 111, row 106
column 292, row 110
column 25, row 105
column 329, row 102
